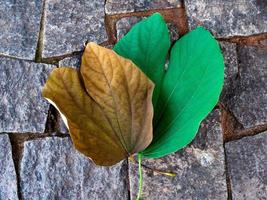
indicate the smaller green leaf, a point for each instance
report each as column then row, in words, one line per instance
column 190, row 90
column 147, row 45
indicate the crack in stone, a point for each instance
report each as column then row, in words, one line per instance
column 228, row 181
column 40, row 41
column 251, row 40
column 234, row 130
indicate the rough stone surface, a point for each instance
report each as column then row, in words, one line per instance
column 247, row 165
column 52, row 169
column 125, row 24
column 125, row 6
column 22, row 108
column 230, row 71
column 73, row 61
column 248, row 98
column 228, row 18
column 199, row 168
column 19, row 22
column 69, row 24
column 8, row 179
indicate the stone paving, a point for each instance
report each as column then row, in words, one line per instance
column 37, row 159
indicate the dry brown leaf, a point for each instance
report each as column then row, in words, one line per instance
column 108, row 106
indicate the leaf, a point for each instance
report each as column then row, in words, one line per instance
column 108, row 106
column 147, row 45
column 190, row 90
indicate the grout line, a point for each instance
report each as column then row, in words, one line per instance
column 177, row 16
column 128, row 179
column 227, row 176
column 14, row 57
column 40, row 42
column 230, row 125
column 234, row 130
column 248, row 132
column 16, row 156
column 252, row 40
column 55, row 59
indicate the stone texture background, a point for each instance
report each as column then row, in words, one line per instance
column 227, row 159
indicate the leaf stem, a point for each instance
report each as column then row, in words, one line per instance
column 172, row 174
column 139, row 197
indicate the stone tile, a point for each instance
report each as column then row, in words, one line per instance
column 122, row 6
column 249, row 100
column 52, row 169
column 69, row 24
column 19, row 22
column 247, row 164
column 227, row 18
column 73, row 61
column 229, row 51
column 199, row 168
column 8, row 178
column 125, row 24
column 22, row 108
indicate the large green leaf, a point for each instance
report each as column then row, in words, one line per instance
column 107, row 106
column 147, row 45
column 190, row 90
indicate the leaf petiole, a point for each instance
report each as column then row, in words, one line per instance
column 139, row 196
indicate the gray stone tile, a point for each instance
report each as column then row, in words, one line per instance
column 22, row 107
column 73, row 61
column 52, row 169
column 227, row 18
column 199, row 167
column 248, row 102
column 69, row 24
column 125, row 6
column 229, row 51
column 247, row 164
column 125, row 24
column 8, row 178
column 19, row 22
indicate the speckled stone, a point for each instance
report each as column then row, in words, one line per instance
column 22, row 108
column 73, row 61
column 199, row 167
column 125, row 24
column 248, row 102
column 247, row 165
column 125, row 6
column 69, row 24
column 52, row 169
column 227, row 18
column 19, row 22
column 8, row 179
column 229, row 51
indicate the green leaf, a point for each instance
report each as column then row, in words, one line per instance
column 190, row 90
column 147, row 45
column 107, row 106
